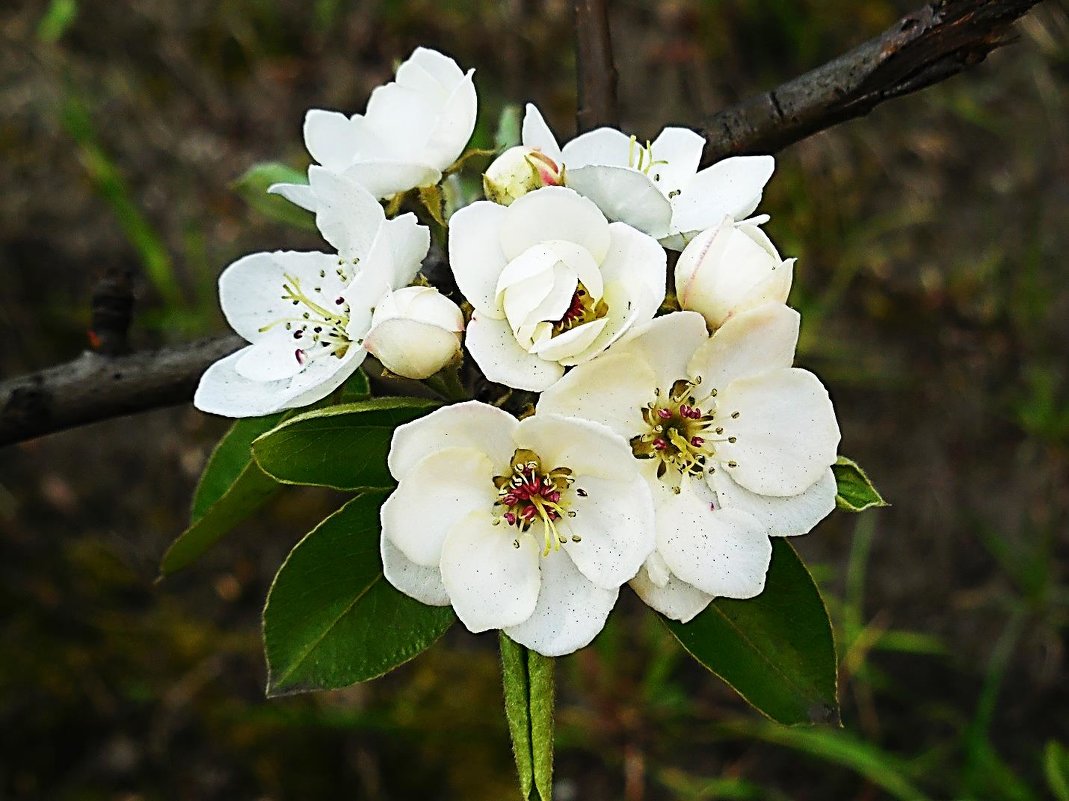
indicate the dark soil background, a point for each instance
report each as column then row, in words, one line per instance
column 931, row 238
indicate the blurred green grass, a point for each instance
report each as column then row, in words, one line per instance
column 929, row 238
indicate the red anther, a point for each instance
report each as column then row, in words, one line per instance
column 510, row 517
column 660, row 444
column 664, row 414
column 553, row 497
column 300, row 355
column 697, row 442
column 509, row 499
column 529, row 512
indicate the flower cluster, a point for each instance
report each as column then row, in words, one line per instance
column 672, row 436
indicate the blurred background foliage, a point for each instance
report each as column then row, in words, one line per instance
column 930, row 238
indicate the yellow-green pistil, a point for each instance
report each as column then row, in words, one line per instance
column 529, row 493
column 679, row 434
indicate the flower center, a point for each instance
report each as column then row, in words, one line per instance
column 529, row 493
column 679, row 434
column 582, row 309
column 319, row 322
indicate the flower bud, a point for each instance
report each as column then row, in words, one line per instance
column 415, row 332
column 517, row 171
column 730, row 268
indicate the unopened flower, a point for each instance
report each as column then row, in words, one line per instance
column 517, row 171
column 730, row 268
column 553, row 283
column 305, row 315
column 736, row 445
column 414, row 128
column 529, row 526
column 415, row 331
column 654, row 186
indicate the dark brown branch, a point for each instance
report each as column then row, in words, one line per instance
column 594, row 67
column 923, row 48
column 97, row 387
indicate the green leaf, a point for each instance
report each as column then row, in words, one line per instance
column 775, row 650
column 1056, row 768
column 332, row 619
column 856, row 492
column 343, row 446
column 231, row 488
column 252, row 186
column 528, row 681
column 355, row 388
column 57, row 20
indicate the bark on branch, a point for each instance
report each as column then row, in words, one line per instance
column 923, row 48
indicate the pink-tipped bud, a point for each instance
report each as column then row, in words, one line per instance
column 516, row 172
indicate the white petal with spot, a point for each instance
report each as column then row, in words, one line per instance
column 782, row 516
column 419, row 582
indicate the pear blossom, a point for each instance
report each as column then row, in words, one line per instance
column 657, row 186
column 517, row 171
column 735, row 444
column 415, row 331
column 730, row 268
column 527, row 526
column 305, row 315
column 552, row 282
column 414, row 128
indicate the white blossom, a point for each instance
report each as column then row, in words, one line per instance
column 415, row 331
column 529, row 526
column 730, row 268
column 517, row 171
column 414, row 128
column 657, row 186
column 552, row 282
column 735, row 444
column 305, row 315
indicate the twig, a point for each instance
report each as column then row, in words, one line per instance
column 924, row 47
column 97, row 387
column 594, row 67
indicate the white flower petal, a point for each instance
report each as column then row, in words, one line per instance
column 674, row 599
column 666, row 344
column 730, row 187
column 623, row 194
column 347, row 215
column 682, row 149
column 475, row 254
column 570, row 613
column 404, row 116
column 416, row 581
column 568, row 343
column 781, row 516
column 491, row 574
column 611, row 390
column 297, row 194
column 638, row 261
column 722, row 552
column 273, row 357
column 250, row 289
column 223, row 391
column 328, row 135
column 462, row 425
column 552, row 212
column 586, row 447
column 752, row 342
column 454, row 126
column 384, row 177
column 786, row 432
column 494, row 348
column 600, row 146
column 536, row 134
column 430, row 72
column 615, row 524
column 433, row 495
